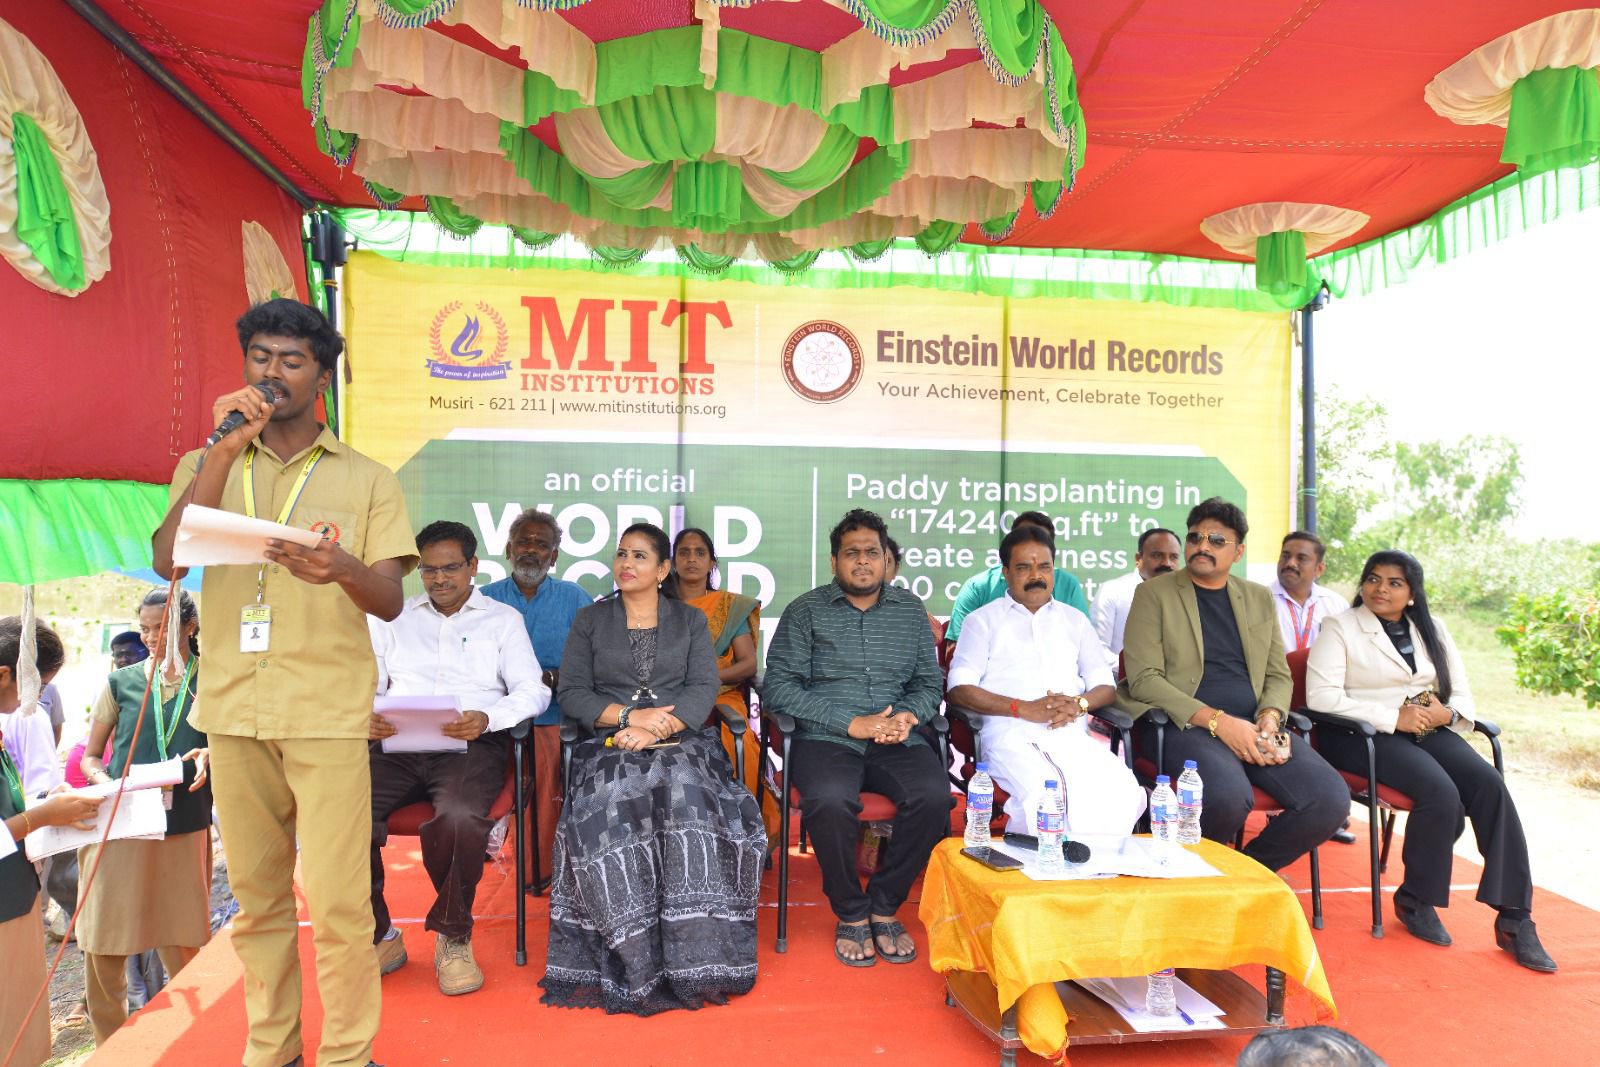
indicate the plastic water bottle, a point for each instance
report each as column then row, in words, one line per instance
column 1163, row 818
column 1160, row 996
column 1190, row 792
column 980, row 807
column 1049, row 827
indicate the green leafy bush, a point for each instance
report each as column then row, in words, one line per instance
column 1555, row 639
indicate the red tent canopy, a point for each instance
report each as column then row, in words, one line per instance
column 1192, row 109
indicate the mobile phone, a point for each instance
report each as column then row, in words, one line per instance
column 995, row 861
column 666, row 742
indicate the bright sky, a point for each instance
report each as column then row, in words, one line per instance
column 1503, row 340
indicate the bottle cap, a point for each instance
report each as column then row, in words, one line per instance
column 1162, row 779
column 1050, row 783
column 1188, row 765
column 983, row 765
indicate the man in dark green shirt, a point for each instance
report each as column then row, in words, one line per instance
column 853, row 662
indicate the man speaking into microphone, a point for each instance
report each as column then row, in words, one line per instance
column 286, row 695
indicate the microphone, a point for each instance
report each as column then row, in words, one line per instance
column 271, row 392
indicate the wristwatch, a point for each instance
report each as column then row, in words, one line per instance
column 1083, row 703
column 622, row 716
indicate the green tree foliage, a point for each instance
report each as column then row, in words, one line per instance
column 1469, row 486
column 1353, row 454
column 1555, row 641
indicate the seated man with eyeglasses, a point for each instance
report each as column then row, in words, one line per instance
column 452, row 640
column 1205, row 647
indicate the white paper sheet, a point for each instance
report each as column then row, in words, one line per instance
column 140, row 816
column 418, row 720
column 1112, row 856
column 1126, row 996
column 141, row 776
column 207, row 537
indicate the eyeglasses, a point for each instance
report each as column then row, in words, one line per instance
column 1214, row 540
column 449, row 569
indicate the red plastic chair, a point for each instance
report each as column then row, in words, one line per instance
column 407, row 822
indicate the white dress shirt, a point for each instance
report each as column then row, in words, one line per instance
column 1013, row 652
column 1109, row 613
column 1300, row 625
column 481, row 654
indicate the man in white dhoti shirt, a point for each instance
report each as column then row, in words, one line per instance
column 1026, row 671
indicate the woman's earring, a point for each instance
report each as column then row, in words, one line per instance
column 1411, row 603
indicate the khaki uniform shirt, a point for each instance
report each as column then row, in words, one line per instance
column 318, row 677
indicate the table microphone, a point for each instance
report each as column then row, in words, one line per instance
column 271, row 392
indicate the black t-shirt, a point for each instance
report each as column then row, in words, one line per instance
column 1226, row 682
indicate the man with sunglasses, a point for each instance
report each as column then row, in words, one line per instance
column 451, row 640
column 1204, row 646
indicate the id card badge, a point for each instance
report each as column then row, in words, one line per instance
column 255, row 628
column 166, row 797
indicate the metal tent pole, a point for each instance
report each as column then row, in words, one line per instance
column 1308, row 413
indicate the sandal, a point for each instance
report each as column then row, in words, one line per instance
column 893, row 930
column 860, row 935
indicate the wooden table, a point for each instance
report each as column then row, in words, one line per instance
column 1009, row 947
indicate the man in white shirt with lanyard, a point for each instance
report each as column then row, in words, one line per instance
column 1160, row 552
column 451, row 640
column 1303, row 605
column 1027, row 670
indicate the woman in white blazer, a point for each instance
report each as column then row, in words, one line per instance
column 1365, row 664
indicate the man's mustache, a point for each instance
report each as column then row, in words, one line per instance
column 1202, row 555
column 1290, row 570
column 1165, row 568
column 1034, row 585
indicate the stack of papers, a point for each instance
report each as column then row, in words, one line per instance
column 418, row 720
column 1111, row 856
column 1126, row 995
column 141, row 815
column 208, row 537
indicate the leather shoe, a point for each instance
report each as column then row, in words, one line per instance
column 1521, row 940
column 1343, row 834
column 1420, row 919
column 454, row 966
column 391, row 953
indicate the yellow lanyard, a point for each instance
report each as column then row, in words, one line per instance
column 294, row 492
column 164, row 732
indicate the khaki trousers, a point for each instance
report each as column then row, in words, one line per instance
column 21, row 975
column 105, row 986
column 259, row 788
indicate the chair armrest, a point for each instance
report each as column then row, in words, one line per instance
column 754, row 682
column 1492, row 732
column 737, row 724
column 940, row 724
column 1340, row 722
column 569, row 732
column 784, row 724
column 1486, row 728
column 1297, row 722
column 1115, row 717
column 520, row 730
column 1158, row 716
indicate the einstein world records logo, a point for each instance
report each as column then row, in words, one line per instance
column 822, row 362
column 477, row 347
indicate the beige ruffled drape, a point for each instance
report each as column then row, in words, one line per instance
column 1322, row 224
column 28, row 83
column 265, row 270
column 1476, row 89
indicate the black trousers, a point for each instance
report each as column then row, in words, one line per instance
column 461, row 786
column 830, row 778
column 1449, row 782
column 1314, row 798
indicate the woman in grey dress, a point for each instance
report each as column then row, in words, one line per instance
column 658, row 853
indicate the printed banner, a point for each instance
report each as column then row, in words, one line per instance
column 763, row 414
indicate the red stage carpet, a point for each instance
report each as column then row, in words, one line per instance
column 1416, row 1004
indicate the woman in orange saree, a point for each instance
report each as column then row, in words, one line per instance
column 735, row 627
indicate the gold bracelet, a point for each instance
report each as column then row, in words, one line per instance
column 1277, row 719
column 1216, row 717
column 27, row 824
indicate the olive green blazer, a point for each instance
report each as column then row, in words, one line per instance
column 1164, row 655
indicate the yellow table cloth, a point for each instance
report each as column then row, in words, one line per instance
column 1027, row 935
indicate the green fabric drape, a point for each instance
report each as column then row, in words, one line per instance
column 452, row 219
column 337, row 43
column 1555, row 120
column 797, row 264
column 998, row 229
column 533, row 239
column 46, row 222
column 616, row 257
column 68, row 528
column 1045, row 196
column 702, row 262
column 1010, row 32
column 634, row 189
column 638, row 65
column 666, row 124
column 905, row 23
column 834, row 153
column 939, row 236
column 869, row 251
column 541, row 96
column 383, row 195
column 707, row 196
column 1061, row 99
column 1281, row 262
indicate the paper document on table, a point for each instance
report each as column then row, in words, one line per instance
column 1126, row 996
column 418, row 720
column 1111, row 856
column 140, row 816
column 208, row 537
